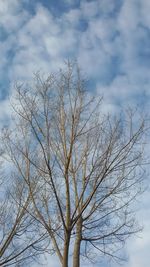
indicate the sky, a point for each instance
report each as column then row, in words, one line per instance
column 110, row 39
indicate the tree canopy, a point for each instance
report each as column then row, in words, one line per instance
column 75, row 171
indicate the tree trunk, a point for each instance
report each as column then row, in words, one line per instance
column 66, row 251
column 76, row 253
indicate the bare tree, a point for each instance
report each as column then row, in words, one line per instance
column 82, row 167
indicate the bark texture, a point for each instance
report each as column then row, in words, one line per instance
column 76, row 253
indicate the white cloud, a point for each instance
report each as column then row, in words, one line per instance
column 5, row 112
column 11, row 15
column 89, row 9
column 44, row 40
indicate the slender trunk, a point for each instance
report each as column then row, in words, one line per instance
column 76, row 253
column 66, row 251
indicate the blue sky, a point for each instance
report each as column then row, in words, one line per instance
column 111, row 41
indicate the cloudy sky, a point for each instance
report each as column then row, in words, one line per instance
column 110, row 40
